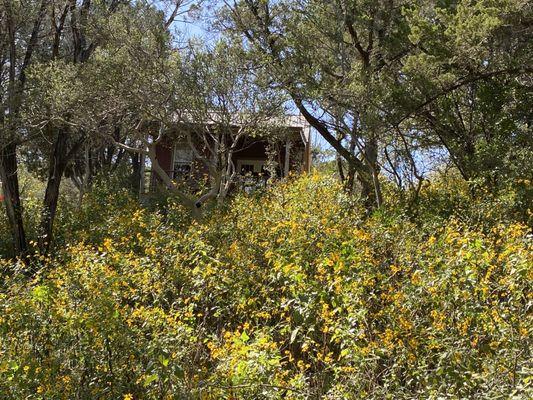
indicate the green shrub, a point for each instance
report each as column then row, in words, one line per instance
column 291, row 294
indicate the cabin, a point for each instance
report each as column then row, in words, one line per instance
column 252, row 158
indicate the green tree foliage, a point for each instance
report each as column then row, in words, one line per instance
column 397, row 76
column 384, row 83
column 467, row 84
column 333, row 59
column 395, row 281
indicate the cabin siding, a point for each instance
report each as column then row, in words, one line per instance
column 299, row 156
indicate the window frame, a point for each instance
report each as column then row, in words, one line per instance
column 178, row 149
column 258, row 165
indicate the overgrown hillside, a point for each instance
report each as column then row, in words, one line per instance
column 295, row 293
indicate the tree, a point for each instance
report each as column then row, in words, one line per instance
column 371, row 75
column 51, row 106
column 333, row 59
column 61, row 106
column 466, row 85
column 136, row 90
column 229, row 107
column 21, row 27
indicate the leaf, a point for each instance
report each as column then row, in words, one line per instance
column 179, row 372
column 164, row 361
column 150, row 378
column 293, row 334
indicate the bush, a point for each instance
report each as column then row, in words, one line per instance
column 289, row 294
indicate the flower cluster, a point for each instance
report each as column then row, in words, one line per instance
column 294, row 293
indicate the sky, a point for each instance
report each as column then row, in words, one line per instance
column 189, row 27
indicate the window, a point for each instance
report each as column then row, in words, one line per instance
column 247, row 168
column 254, row 174
column 182, row 161
column 250, row 167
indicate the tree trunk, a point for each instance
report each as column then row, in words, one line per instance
column 58, row 163
column 367, row 192
column 365, row 178
column 349, row 179
column 136, row 173
column 355, row 165
column 86, row 175
column 340, row 169
column 142, row 173
column 371, row 158
column 10, row 183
